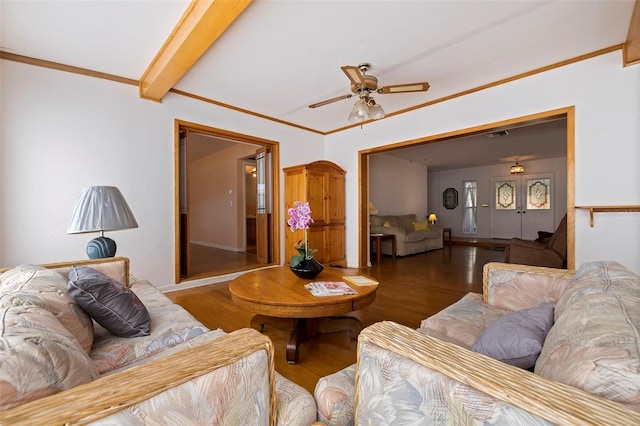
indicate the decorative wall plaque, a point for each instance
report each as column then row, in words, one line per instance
column 450, row 198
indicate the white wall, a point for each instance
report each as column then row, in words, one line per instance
column 440, row 180
column 606, row 97
column 398, row 186
column 216, row 198
column 61, row 132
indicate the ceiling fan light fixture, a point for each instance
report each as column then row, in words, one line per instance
column 362, row 85
column 355, row 118
column 376, row 112
column 360, row 111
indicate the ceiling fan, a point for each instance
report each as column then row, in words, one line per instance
column 363, row 85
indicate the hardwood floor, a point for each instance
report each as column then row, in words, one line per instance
column 207, row 260
column 411, row 289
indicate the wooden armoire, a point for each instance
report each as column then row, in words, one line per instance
column 321, row 184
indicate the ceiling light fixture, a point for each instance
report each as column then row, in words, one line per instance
column 517, row 169
column 363, row 85
column 365, row 108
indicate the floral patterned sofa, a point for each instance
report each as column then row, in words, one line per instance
column 583, row 360
column 59, row 366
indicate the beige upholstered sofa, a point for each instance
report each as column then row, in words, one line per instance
column 585, row 370
column 59, row 366
column 412, row 236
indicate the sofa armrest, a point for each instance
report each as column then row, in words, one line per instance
column 552, row 401
column 515, row 287
column 114, row 393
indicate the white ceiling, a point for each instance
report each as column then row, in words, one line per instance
column 280, row 56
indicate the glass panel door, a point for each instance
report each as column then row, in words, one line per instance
column 506, row 207
column 522, row 206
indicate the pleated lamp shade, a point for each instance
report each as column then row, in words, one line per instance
column 99, row 209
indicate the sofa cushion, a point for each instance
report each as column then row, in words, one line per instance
column 171, row 325
column 517, row 338
column 464, row 321
column 38, row 356
column 376, row 220
column 335, row 397
column 391, row 220
column 421, row 226
column 413, row 236
column 110, row 303
column 432, row 234
column 406, row 221
column 34, row 285
column 594, row 344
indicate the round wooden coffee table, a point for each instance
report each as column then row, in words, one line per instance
column 278, row 297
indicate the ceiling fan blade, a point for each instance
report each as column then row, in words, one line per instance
column 328, row 101
column 404, row 88
column 353, row 74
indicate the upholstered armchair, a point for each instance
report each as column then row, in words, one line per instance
column 552, row 253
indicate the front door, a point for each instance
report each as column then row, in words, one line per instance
column 522, row 206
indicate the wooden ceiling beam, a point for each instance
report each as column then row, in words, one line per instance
column 200, row 26
column 631, row 47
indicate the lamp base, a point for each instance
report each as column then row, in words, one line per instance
column 101, row 247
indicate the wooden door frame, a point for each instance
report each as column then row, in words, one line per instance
column 567, row 113
column 237, row 137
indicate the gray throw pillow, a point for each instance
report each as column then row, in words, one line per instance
column 110, row 303
column 517, row 338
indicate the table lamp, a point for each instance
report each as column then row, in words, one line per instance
column 432, row 218
column 99, row 209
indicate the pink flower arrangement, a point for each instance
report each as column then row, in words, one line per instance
column 300, row 218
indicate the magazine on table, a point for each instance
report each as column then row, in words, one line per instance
column 329, row 288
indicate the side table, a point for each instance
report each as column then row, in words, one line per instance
column 448, row 232
column 378, row 239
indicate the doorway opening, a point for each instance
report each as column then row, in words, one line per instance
column 566, row 114
column 225, row 204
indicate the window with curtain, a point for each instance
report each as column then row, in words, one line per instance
column 470, row 213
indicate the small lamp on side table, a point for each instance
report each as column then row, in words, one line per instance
column 432, row 218
column 99, row 209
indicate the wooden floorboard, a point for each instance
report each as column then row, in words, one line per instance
column 411, row 289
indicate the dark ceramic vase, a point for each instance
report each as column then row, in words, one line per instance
column 308, row 269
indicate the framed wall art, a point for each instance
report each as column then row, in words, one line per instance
column 450, row 198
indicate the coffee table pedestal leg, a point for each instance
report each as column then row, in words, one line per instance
column 335, row 324
column 301, row 333
column 303, row 329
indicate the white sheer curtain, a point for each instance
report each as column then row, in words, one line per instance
column 470, row 207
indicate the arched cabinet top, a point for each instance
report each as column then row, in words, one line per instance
column 322, row 165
